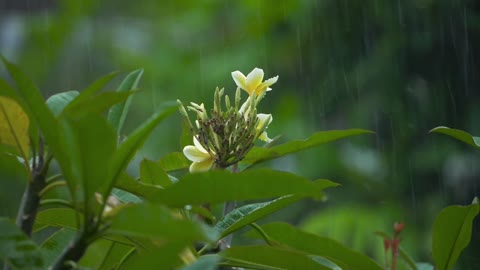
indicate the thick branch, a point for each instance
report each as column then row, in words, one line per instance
column 73, row 253
column 30, row 202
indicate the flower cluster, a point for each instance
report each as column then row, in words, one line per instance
column 225, row 135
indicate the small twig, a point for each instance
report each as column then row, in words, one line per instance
column 56, row 202
column 51, row 185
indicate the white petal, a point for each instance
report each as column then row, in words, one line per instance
column 240, row 79
column 198, row 145
column 271, row 81
column 244, row 106
column 254, row 79
column 201, row 166
column 262, row 118
column 264, row 137
column 195, row 155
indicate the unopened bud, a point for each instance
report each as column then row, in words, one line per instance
column 398, row 227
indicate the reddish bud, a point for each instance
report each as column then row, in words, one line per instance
column 398, row 227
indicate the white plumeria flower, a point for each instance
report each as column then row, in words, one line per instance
column 263, row 121
column 202, row 160
column 252, row 83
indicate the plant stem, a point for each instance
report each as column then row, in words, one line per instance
column 30, row 202
column 75, row 250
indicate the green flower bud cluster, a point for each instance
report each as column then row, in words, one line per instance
column 228, row 131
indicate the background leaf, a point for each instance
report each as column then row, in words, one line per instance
column 17, row 249
column 59, row 101
column 452, row 231
column 131, row 145
column 289, row 236
column 152, row 173
column 459, row 135
column 173, row 161
column 157, row 222
column 246, row 214
column 260, row 154
column 92, row 89
column 117, row 114
column 266, row 257
column 14, row 125
column 221, row 186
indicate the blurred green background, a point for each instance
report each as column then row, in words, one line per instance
column 398, row 68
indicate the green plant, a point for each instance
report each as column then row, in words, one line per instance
column 81, row 209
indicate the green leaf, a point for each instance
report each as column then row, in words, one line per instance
column 58, row 217
column 66, row 217
column 137, row 188
column 56, row 243
column 90, row 142
column 269, row 258
column 132, row 144
column 96, row 104
column 207, row 262
column 220, row 186
column 59, row 101
column 249, row 213
column 151, row 173
column 459, row 135
column 173, row 161
column 260, row 154
column 117, row 114
column 14, row 124
column 125, row 196
column 157, row 222
column 165, row 257
column 17, row 249
column 289, row 236
column 452, row 231
column 114, row 256
column 92, row 89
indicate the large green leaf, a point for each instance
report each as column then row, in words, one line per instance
column 114, row 255
column 153, row 174
column 245, row 215
column 157, row 222
column 66, row 218
column 452, row 231
column 117, row 114
column 221, row 186
column 173, row 161
column 17, row 249
column 59, row 101
column 269, row 258
column 132, row 144
column 90, row 142
column 138, row 188
column 14, row 126
column 459, row 135
column 92, row 89
column 96, row 104
column 164, row 257
column 292, row 237
column 260, row 154
column 58, row 217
